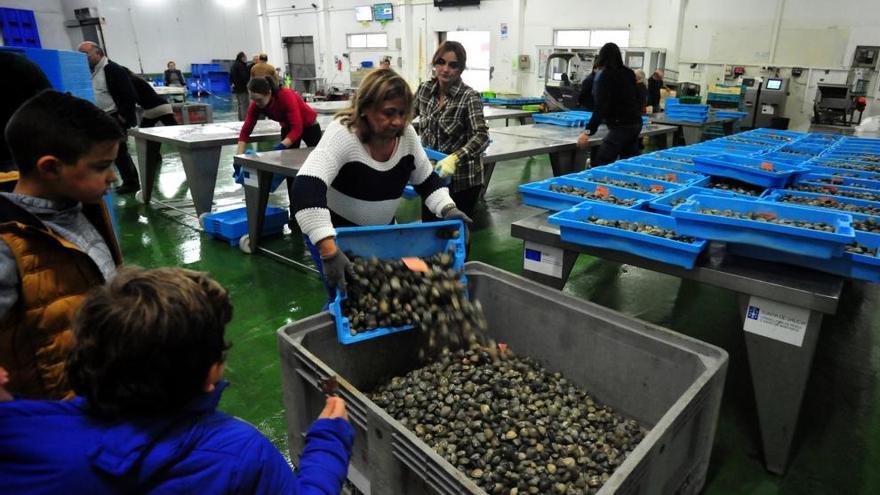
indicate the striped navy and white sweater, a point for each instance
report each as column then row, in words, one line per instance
column 341, row 185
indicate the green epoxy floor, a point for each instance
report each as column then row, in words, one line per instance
column 837, row 447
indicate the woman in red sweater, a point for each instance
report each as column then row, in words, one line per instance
column 298, row 120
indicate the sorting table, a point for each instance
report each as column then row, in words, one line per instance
column 199, row 147
column 496, row 113
column 329, row 107
column 693, row 131
column 779, row 370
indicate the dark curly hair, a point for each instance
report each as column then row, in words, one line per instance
column 146, row 340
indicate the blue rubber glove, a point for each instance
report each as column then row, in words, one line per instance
column 280, row 146
column 250, row 152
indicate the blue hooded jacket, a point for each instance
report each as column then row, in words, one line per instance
column 56, row 447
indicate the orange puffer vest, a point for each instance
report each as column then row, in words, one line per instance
column 55, row 275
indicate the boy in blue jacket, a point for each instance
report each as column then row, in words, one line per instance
column 147, row 368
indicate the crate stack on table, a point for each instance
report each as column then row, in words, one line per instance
column 805, row 199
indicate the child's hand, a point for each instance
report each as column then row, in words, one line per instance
column 4, row 379
column 335, row 408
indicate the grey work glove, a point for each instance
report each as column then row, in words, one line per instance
column 454, row 213
column 335, row 266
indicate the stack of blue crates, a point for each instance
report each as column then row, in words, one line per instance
column 67, row 71
column 687, row 113
column 19, row 28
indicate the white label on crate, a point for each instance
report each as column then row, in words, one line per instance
column 250, row 177
column 542, row 259
column 776, row 320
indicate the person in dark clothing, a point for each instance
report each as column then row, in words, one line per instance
column 617, row 106
column 655, row 84
column 114, row 94
column 23, row 79
column 174, row 77
column 156, row 109
column 239, row 75
column 585, row 98
column 641, row 88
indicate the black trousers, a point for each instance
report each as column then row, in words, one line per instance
column 153, row 147
column 621, row 142
column 311, row 135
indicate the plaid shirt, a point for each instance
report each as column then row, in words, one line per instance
column 456, row 127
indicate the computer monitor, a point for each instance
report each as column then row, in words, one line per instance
column 363, row 13
column 774, row 84
column 383, row 12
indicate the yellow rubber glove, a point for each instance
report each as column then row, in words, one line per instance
column 447, row 165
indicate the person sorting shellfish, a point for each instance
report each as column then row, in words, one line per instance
column 357, row 173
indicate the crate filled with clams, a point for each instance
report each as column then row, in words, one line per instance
column 560, row 193
column 840, row 180
column 725, row 145
column 837, row 190
column 823, row 201
column 603, row 175
column 557, row 396
column 830, row 167
column 758, row 170
column 637, row 232
column 846, row 161
column 667, row 161
column 401, row 277
column 859, row 260
column 655, row 173
column 793, row 229
column 665, row 204
column 736, row 187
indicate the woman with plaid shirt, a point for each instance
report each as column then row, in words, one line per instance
column 451, row 121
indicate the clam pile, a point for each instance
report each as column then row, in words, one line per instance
column 857, row 248
column 835, row 181
column 577, row 191
column 864, row 195
column 641, row 228
column 655, row 176
column 852, row 166
column 769, row 218
column 619, row 183
column 387, row 293
column 754, row 142
column 827, row 202
column 796, row 152
column 867, row 225
column 734, row 187
column 510, row 425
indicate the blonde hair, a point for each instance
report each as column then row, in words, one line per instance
column 377, row 87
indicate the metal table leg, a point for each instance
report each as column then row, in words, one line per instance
column 547, row 265
column 670, row 140
column 146, row 170
column 692, row 135
column 256, row 198
column 779, row 376
column 727, row 127
column 200, row 166
column 488, row 169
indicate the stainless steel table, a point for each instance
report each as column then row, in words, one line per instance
column 496, row 113
column 693, row 131
column 779, row 370
column 199, row 147
column 330, row 107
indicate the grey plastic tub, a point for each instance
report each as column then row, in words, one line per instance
column 670, row 383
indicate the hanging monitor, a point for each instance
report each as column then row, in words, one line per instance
column 383, row 12
column 363, row 13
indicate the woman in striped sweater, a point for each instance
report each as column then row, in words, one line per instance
column 357, row 173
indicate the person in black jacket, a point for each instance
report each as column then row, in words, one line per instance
column 617, row 106
column 239, row 76
column 585, row 98
column 655, row 84
column 174, row 77
column 156, row 109
column 114, row 94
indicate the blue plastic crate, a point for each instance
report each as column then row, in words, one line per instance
column 830, row 138
column 670, row 164
column 748, row 169
column 691, row 150
column 564, row 119
column 754, row 140
column 723, row 97
column 689, row 108
column 781, row 237
column 850, row 265
column 677, row 176
column 651, row 186
column 539, row 195
column 202, row 70
column 843, row 164
column 394, row 242
column 829, row 201
column 680, row 117
column 664, row 204
column 782, row 136
column 575, row 227
column 843, row 172
column 67, row 71
column 409, row 192
column 738, row 147
column 837, row 190
column 514, row 101
column 231, row 225
column 851, row 182
column 19, row 28
column 785, row 157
